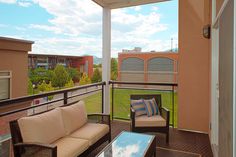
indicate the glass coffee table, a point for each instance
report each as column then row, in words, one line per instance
column 130, row 144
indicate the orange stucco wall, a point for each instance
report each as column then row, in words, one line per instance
column 194, row 66
column 146, row 57
column 14, row 58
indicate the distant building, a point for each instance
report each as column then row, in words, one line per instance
column 82, row 63
column 137, row 66
column 135, row 50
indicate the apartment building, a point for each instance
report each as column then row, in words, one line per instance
column 147, row 66
column 82, row 63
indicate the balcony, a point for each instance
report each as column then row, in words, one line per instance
column 201, row 104
column 182, row 143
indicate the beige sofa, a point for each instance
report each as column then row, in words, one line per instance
column 61, row 132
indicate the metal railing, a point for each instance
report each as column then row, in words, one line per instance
column 65, row 98
column 116, row 85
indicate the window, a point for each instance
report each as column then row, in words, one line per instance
column 5, row 85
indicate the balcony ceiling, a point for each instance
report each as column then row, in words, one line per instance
column 115, row 4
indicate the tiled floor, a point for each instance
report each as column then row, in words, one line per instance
column 182, row 144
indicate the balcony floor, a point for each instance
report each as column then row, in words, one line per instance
column 182, row 144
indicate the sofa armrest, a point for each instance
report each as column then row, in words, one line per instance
column 165, row 113
column 35, row 149
column 100, row 118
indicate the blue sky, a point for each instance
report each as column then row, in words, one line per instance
column 74, row 27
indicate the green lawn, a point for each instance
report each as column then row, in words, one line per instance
column 122, row 102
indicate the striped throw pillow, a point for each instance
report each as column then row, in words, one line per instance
column 139, row 107
column 151, row 107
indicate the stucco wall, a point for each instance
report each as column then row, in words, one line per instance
column 145, row 57
column 194, row 66
column 14, row 58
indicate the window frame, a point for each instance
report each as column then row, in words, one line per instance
column 10, row 82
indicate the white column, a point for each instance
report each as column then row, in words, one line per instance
column 106, row 57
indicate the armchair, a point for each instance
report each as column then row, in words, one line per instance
column 157, row 123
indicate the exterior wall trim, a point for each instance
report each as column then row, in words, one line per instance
column 234, row 89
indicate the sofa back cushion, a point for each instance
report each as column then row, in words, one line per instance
column 74, row 116
column 43, row 128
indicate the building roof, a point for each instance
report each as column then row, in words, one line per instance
column 17, row 40
column 53, row 55
column 115, row 4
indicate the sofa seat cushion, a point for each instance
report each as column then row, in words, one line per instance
column 74, row 116
column 153, row 121
column 91, row 131
column 71, row 147
column 43, row 128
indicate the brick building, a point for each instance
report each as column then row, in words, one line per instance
column 82, row 63
column 137, row 66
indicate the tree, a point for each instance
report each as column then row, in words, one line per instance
column 69, row 84
column 30, row 88
column 97, row 76
column 44, row 87
column 114, row 67
column 60, row 76
column 84, row 79
column 38, row 75
column 74, row 74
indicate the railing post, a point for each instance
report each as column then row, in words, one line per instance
column 112, row 100
column 65, row 98
column 103, row 98
column 173, row 106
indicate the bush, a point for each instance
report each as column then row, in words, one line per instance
column 69, row 84
column 74, row 74
column 44, row 87
column 30, row 88
column 38, row 75
column 84, row 79
column 97, row 76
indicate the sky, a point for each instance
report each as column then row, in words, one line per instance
column 74, row 27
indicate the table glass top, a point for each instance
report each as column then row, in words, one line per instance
column 128, row 144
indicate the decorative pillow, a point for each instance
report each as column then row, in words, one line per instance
column 151, row 107
column 139, row 107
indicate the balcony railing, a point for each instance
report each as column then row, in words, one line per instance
column 92, row 94
column 121, row 91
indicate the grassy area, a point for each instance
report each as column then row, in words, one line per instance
column 122, row 102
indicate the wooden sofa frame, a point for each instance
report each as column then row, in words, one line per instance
column 165, row 113
column 49, row 150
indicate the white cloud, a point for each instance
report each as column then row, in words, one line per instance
column 137, row 8
column 24, row 4
column 8, row 1
column 79, row 25
column 155, row 8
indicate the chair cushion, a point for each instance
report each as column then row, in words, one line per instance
column 91, row 131
column 151, row 107
column 71, row 147
column 43, row 128
column 139, row 107
column 153, row 121
column 74, row 116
